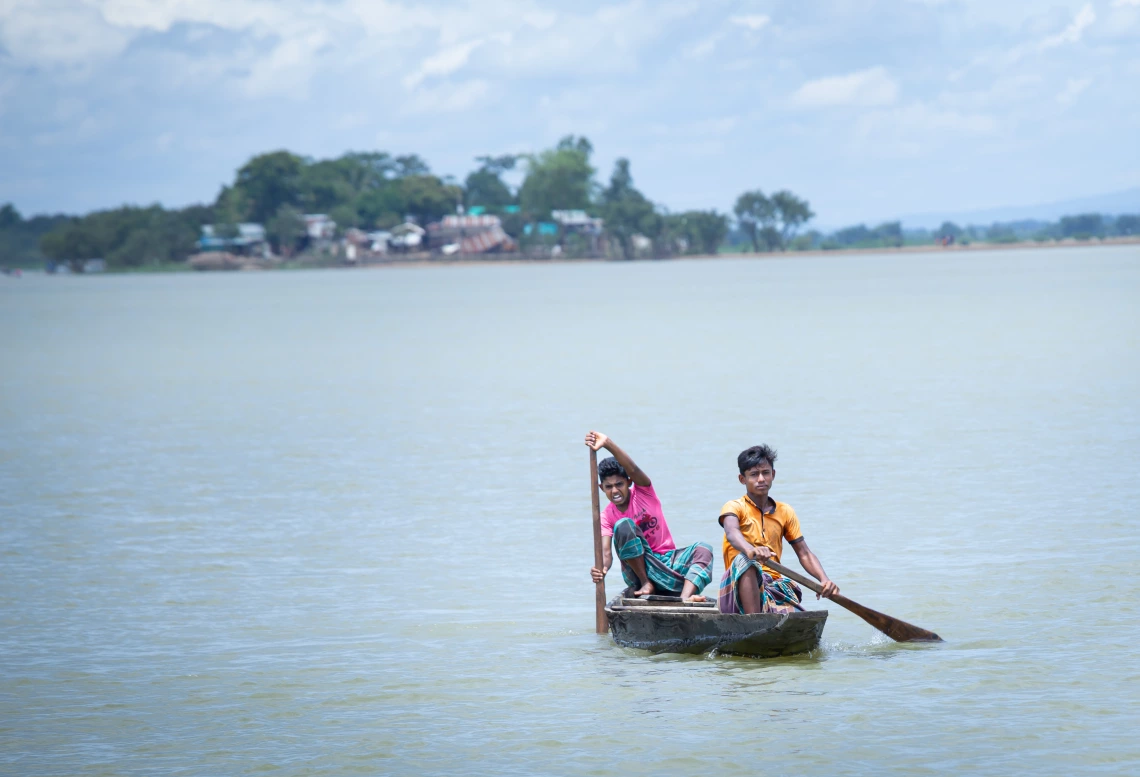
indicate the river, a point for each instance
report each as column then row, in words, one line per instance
column 337, row 522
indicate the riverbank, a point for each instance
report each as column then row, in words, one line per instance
column 424, row 261
column 427, row 260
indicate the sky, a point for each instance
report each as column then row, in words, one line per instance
column 869, row 109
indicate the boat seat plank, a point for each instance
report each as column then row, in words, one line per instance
column 663, row 602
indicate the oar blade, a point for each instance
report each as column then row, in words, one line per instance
column 899, row 631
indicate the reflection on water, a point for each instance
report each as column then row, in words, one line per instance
column 337, row 522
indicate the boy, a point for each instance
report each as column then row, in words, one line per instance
column 754, row 529
column 634, row 521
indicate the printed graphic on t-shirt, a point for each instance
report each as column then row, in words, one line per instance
column 648, row 524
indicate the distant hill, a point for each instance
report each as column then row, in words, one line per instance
column 1127, row 201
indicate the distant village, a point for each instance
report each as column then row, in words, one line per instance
column 474, row 234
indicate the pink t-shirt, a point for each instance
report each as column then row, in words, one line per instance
column 645, row 509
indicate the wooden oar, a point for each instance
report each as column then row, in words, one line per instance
column 899, row 631
column 602, row 624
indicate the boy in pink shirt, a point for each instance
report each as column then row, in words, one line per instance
column 634, row 524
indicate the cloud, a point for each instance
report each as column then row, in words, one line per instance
column 865, row 88
column 288, row 67
column 922, row 117
column 443, row 63
column 700, row 128
column 58, row 33
column 703, row 47
column 446, row 98
column 1071, row 34
column 1123, row 3
column 540, row 20
column 917, row 129
column 1072, row 90
column 753, row 22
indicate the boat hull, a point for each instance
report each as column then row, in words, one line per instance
column 764, row 635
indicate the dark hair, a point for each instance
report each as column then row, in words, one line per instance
column 608, row 467
column 754, row 456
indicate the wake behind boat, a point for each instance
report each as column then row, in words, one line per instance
column 665, row 624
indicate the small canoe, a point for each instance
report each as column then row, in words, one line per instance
column 665, row 624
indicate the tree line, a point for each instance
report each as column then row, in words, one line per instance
column 376, row 190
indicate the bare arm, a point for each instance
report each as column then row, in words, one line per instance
column 731, row 524
column 810, row 562
column 607, row 560
column 598, row 440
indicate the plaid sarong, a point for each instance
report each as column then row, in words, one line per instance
column 668, row 571
column 776, row 595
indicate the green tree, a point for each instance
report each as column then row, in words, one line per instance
column 560, row 178
column 792, row 213
column 1082, row 226
column 757, row 216
column 410, row 165
column 1000, row 233
column 269, row 181
column 627, row 212
column 382, row 207
column 485, row 186
column 230, row 209
column 327, row 184
column 889, row 234
column 70, row 244
column 127, row 237
column 20, row 237
column 703, row 231
column 427, row 198
column 1128, row 225
column 807, row 241
column 286, row 230
column 949, row 230
column 345, row 216
column 10, row 217
column 853, row 236
column 367, row 170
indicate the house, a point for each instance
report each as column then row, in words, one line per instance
column 469, row 234
column 319, row 227
column 380, row 240
column 408, row 236
column 245, row 239
column 577, row 221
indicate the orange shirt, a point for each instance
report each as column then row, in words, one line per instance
column 768, row 529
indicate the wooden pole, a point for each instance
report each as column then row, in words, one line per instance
column 602, row 622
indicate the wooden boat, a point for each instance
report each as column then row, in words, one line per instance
column 665, row 624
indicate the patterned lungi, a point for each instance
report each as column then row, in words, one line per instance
column 776, row 595
column 668, row 571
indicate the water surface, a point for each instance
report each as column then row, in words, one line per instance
column 337, row 522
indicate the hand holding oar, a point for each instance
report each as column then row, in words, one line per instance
column 899, row 631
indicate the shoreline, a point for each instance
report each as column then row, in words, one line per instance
column 493, row 260
column 913, row 249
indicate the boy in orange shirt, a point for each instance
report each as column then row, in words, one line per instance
column 754, row 529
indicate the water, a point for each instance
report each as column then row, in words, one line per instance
column 338, row 522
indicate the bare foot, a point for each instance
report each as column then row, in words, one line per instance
column 697, row 598
column 646, row 590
